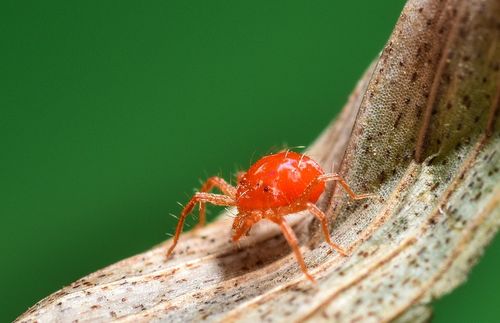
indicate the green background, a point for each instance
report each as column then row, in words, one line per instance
column 112, row 112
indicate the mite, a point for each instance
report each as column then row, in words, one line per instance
column 273, row 187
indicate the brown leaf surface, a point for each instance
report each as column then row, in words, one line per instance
column 421, row 130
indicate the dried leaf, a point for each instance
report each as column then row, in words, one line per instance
column 421, row 129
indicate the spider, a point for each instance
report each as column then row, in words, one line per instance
column 275, row 186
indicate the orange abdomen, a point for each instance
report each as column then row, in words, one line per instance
column 278, row 180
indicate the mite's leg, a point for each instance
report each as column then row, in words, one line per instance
column 221, row 184
column 333, row 177
column 292, row 241
column 304, row 200
column 214, row 182
column 324, row 225
column 216, row 199
column 243, row 223
column 347, row 188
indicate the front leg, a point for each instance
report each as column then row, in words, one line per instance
column 200, row 197
column 243, row 223
column 214, row 182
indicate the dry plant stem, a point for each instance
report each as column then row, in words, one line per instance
column 421, row 130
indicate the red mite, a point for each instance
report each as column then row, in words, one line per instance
column 273, row 187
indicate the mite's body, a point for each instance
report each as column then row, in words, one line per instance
column 273, row 187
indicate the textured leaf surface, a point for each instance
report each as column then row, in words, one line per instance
column 421, row 130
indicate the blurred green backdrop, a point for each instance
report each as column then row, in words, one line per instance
column 112, row 112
